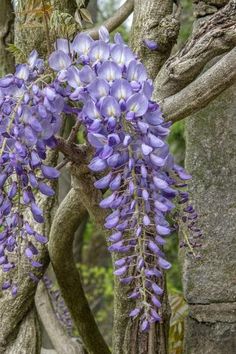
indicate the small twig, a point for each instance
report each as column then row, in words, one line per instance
column 73, row 133
column 62, row 163
column 114, row 21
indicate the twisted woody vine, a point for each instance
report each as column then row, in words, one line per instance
column 106, row 87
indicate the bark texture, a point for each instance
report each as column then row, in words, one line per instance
column 155, row 20
column 6, row 36
column 210, row 283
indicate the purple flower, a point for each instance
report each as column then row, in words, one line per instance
column 150, row 44
column 59, row 60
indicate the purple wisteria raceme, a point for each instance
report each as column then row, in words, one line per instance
column 29, row 118
column 107, row 87
column 140, row 180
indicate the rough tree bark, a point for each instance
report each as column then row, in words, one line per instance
column 6, row 36
column 210, row 283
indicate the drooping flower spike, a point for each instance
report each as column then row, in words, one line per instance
column 126, row 129
column 128, row 133
column 29, row 119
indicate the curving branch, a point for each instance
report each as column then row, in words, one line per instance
column 66, row 221
column 203, row 90
column 60, row 340
column 116, row 20
column 213, row 37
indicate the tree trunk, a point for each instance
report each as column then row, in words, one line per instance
column 6, row 36
column 210, row 283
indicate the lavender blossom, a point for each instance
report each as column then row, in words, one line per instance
column 128, row 134
column 126, row 129
column 30, row 116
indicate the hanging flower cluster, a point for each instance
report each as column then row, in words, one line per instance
column 29, row 118
column 128, row 133
column 108, row 89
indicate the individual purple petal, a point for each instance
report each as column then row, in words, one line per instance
column 98, row 88
column 87, row 75
column 150, row 44
column 82, row 43
column 106, row 203
column 97, row 164
column 97, row 140
column 160, row 240
column 28, row 252
column 6, row 285
column 14, row 290
column 163, row 263
column 156, row 160
column 115, row 184
column 109, row 71
column 13, row 190
column 145, row 325
column 153, row 247
column 120, row 271
column 109, row 224
column 154, row 141
column 35, row 159
column 73, row 77
column 3, row 178
column 110, row 107
column 59, row 60
column 136, row 72
column 122, row 55
column 154, row 118
column 36, row 264
column 138, row 104
column 134, row 295
column 104, row 34
column 22, row 72
column 155, row 301
column 134, row 313
column 146, row 149
column 63, row 45
column 160, row 183
column 6, row 81
column 28, row 229
column 146, row 220
column 155, row 316
column 45, row 189
column 143, row 127
column 163, row 230
column 157, row 290
column 99, row 51
column 40, row 238
column 182, row 173
column 50, row 172
column 103, row 182
column 37, row 213
column 121, row 89
column 118, row 38
column 117, row 236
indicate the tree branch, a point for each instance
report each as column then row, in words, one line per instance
column 66, row 221
column 116, row 20
column 212, row 37
column 159, row 21
column 203, row 90
column 60, row 340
